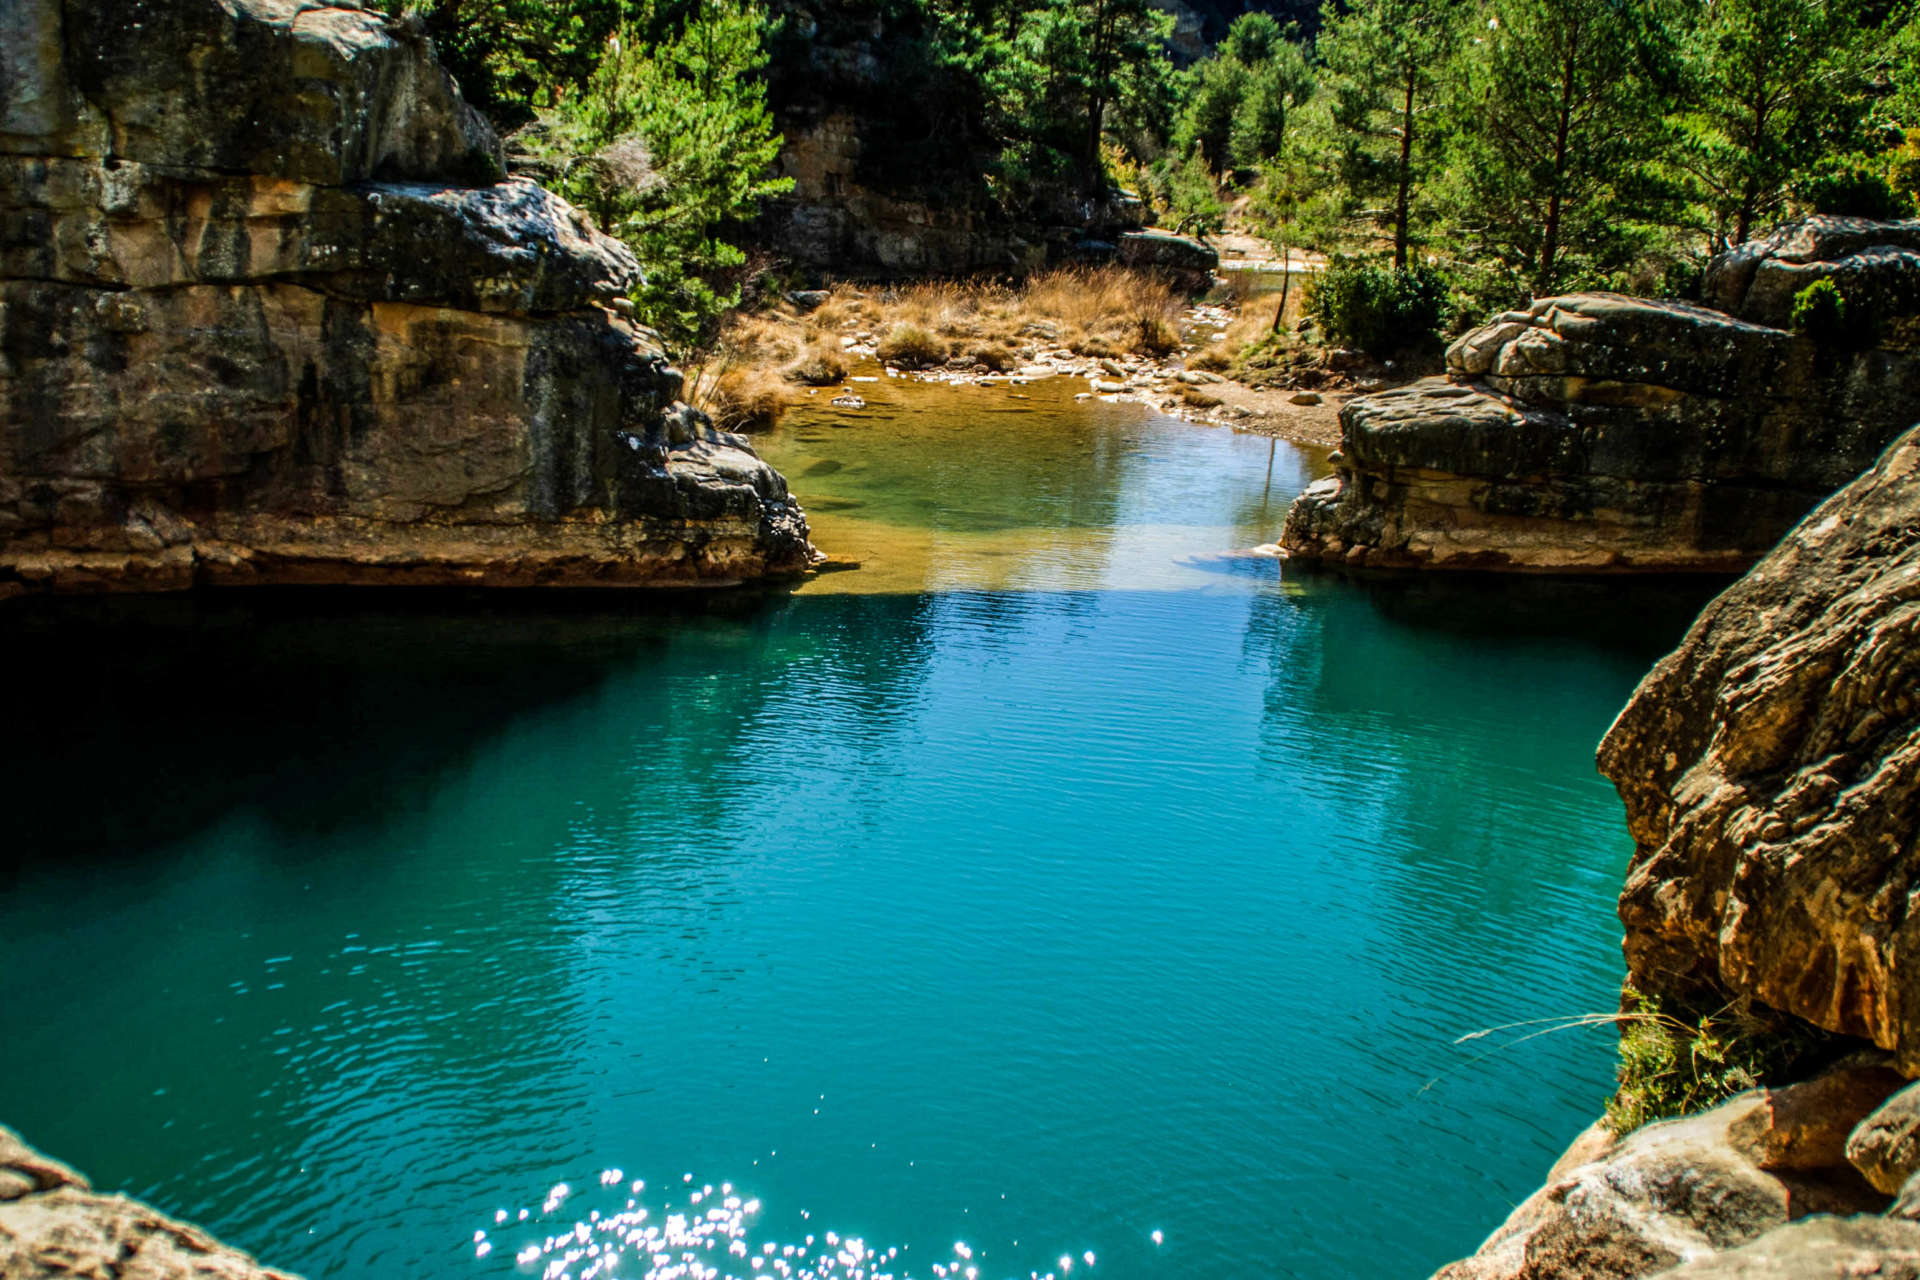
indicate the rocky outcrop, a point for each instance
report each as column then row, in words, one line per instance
column 1771, row 772
column 1688, row 1189
column 1770, row 768
column 268, row 314
column 53, row 1224
column 1601, row 433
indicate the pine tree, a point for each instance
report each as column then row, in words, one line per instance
column 668, row 144
column 1383, row 68
column 1558, row 122
column 1769, row 86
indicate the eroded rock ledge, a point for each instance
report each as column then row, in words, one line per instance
column 1771, row 772
column 266, row 315
column 53, row 1224
column 1601, row 433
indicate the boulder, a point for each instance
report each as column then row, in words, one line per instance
column 1690, row 1188
column 281, row 322
column 1885, row 1147
column 1600, row 433
column 1181, row 256
column 1667, row 1194
column 1875, row 264
column 52, row 1224
column 1770, row 768
column 1818, row 1248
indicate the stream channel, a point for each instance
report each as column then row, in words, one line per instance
column 1061, row 881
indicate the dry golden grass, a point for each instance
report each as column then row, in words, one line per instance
column 1099, row 312
column 1197, row 398
column 820, row 365
column 912, row 346
column 1216, row 357
column 745, row 399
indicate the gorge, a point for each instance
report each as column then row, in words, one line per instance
column 1058, row 883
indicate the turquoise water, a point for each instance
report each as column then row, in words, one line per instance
column 1141, row 890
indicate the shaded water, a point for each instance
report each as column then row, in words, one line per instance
column 1054, row 881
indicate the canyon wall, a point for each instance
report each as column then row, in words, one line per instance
column 1598, row 433
column 268, row 313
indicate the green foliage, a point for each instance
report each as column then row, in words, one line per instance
column 1380, row 311
column 509, row 54
column 1559, row 119
column 1387, row 65
column 667, row 144
column 1903, row 169
column 1820, row 311
column 1187, row 189
column 1854, row 188
column 1238, row 101
column 1676, row 1061
column 1767, row 87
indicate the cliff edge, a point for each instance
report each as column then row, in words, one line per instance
column 268, row 314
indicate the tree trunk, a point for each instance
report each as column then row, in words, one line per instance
column 1550, row 235
column 1404, row 199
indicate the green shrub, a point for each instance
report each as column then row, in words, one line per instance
column 1676, row 1061
column 1853, row 189
column 1379, row 311
column 1820, row 312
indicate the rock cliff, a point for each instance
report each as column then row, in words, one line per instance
column 1598, row 433
column 1771, row 772
column 53, row 1224
column 267, row 314
column 886, row 155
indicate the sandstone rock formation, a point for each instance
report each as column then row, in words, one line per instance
column 53, row 1224
column 268, row 315
column 1771, row 772
column 1597, row 433
column 1688, row 1189
column 1885, row 1148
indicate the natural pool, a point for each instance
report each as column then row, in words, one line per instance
column 1052, row 881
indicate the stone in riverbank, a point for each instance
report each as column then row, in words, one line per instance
column 53, row 1224
column 1600, row 433
column 261, row 329
column 1687, row 1189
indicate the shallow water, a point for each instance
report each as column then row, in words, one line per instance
column 1059, row 878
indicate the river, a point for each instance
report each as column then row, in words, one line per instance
column 1059, row 882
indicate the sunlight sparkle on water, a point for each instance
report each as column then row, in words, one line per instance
column 701, row 1241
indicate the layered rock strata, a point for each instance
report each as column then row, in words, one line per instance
column 266, row 315
column 1771, row 772
column 53, row 1224
column 1599, row 433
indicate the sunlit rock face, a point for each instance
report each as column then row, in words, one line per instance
column 53, row 1224
column 268, row 315
column 1600, row 433
column 1771, row 772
